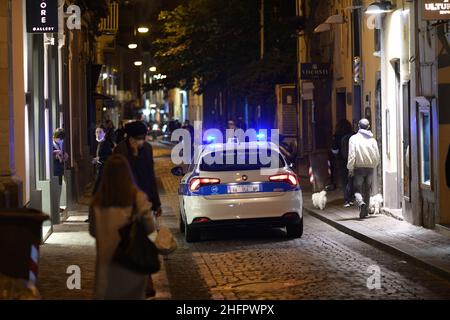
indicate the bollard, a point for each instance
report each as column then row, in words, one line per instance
column 20, row 238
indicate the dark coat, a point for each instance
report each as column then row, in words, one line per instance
column 340, row 142
column 104, row 150
column 58, row 166
column 143, row 170
column 120, row 135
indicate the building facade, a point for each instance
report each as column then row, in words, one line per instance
column 390, row 65
column 44, row 86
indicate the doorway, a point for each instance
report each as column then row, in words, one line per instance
column 379, row 132
column 399, row 134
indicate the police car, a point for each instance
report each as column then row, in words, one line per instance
column 234, row 185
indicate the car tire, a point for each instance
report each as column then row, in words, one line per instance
column 295, row 230
column 181, row 223
column 191, row 235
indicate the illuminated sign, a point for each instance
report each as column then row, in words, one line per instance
column 42, row 16
column 315, row 71
column 436, row 10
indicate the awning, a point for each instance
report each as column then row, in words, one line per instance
column 99, row 96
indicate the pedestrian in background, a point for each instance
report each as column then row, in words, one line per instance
column 104, row 150
column 60, row 157
column 187, row 126
column 117, row 199
column 139, row 154
column 363, row 158
column 339, row 147
column 110, row 132
column 120, row 133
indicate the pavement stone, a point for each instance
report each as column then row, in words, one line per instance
column 424, row 247
column 238, row 264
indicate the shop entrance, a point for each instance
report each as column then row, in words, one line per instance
column 341, row 105
column 399, row 133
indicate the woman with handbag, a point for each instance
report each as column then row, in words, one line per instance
column 119, row 214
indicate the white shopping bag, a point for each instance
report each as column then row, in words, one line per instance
column 163, row 239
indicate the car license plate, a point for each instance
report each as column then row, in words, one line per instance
column 244, row 188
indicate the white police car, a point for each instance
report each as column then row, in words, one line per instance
column 236, row 190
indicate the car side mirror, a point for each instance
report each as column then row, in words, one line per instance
column 177, row 171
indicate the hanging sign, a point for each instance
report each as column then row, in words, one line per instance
column 315, row 71
column 42, row 16
column 436, row 10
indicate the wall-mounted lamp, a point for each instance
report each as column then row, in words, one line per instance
column 335, row 19
column 138, row 63
column 380, row 7
column 132, row 46
column 322, row 28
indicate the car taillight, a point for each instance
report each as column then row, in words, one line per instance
column 201, row 220
column 196, row 183
column 288, row 177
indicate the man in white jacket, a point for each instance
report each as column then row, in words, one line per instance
column 363, row 158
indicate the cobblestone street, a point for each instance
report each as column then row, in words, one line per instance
column 246, row 263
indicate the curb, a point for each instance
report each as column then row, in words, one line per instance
column 381, row 245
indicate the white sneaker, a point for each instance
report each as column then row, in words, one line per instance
column 348, row 205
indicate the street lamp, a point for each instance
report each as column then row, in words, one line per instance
column 152, row 69
column 138, row 63
column 142, row 29
column 132, row 46
column 380, row 7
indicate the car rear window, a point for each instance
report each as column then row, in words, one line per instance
column 241, row 160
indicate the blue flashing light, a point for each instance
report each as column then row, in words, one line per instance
column 210, row 139
column 260, row 136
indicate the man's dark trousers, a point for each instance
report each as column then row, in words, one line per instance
column 362, row 183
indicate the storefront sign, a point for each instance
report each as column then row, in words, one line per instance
column 42, row 16
column 315, row 71
column 436, row 10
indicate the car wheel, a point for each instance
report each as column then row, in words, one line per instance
column 295, row 230
column 191, row 235
column 181, row 225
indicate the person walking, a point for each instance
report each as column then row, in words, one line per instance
column 139, row 154
column 116, row 200
column 104, row 150
column 120, row 133
column 110, row 131
column 363, row 158
column 339, row 147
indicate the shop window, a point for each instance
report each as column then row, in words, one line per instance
column 425, row 145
